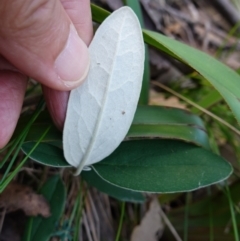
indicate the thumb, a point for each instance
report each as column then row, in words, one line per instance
column 38, row 37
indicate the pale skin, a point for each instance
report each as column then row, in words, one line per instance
column 46, row 40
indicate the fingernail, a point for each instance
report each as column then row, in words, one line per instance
column 72, row 63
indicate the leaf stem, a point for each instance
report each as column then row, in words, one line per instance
column 120, row 222
column 186, row 215
column 211, row 227
column 29, row 232
column 234, row 221
column 12, row 175
column 25, row 130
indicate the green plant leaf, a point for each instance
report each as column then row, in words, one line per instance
column 149, row 122
column 135, row 5
column 39, row 228
column 38, row 127
column 162, row 166
column 46, row 153
column 98, row 13
column 169, row 123
column 212, row 98
column 165, row 115
column 36, row 130
column 144, row 96
column 93, row 179
column 224, row 79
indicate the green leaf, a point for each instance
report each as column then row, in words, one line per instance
column 149, row 122
column 42, row 122
column 39, row 228
column 93, row 179
column 165, row 115
column 144, row 96
column 162, row 166
column 98, row 13
column 170, row 123
column 46, row 153
column 212, row 98
column 135, row 5
column 224, row 79
column 37, row 129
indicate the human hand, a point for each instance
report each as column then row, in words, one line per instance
column 45, row 40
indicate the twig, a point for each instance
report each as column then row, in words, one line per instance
column 170, row 226
column 95, row 214
column 90, row 216
column 198, row 107
column 86, row 225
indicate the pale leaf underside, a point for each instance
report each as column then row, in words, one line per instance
column 101, row 110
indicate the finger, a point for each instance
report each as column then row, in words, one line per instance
column 80, row 14
column 38, row 37
column 12, row 89
column 57, row 105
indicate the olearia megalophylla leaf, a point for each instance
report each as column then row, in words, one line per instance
column 101, row 110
